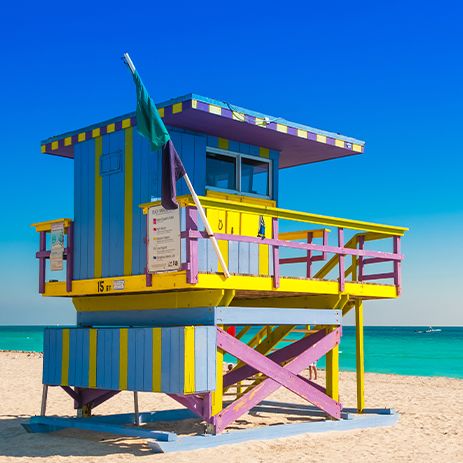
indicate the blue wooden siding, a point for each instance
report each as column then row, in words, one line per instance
column 140, row 363
column 84, row 209
column 147, row 181
column 112, row 168
column 146, row 185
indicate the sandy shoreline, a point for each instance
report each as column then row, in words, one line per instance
column 430, row 426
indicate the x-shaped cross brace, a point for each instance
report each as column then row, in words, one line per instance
column 277, row 375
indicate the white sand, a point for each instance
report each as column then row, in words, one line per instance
column 430, row 428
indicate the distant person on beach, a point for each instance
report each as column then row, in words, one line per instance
column 313, row 371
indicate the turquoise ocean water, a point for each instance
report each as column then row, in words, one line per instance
column 398, row 350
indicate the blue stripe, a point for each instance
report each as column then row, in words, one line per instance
column 84, row 209
column 148, row 356
column 201, row 360
column 85, row 356
column 100, row 358
column 211, row 359
column 58, row 344
column 166, row 360
column 112, row 166
column 139, row 358
column 114, row 355
column 72, row 357
column 132, row 359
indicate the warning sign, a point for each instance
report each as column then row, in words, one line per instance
column 163, row 240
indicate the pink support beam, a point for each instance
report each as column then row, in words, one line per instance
column 70, row 258
column 361, row 245
column 309, row 256
column 397, row 269
column 42, row 263
column 148, row 276
column 286, row 376
column 275, row 254
column 342, row 274
column 298, row 245
column 279, row 356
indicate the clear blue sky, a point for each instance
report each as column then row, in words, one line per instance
column 389, row 73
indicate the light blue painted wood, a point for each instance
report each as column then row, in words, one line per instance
column 72, row 357
column 201, row 360
column 211, row 358
column 46, row 357
column 233, row 257
column 177, row 367
column 112, row 172
column 273, row 432
column 166, row 360
column 253, row 258
column 148, row 360
column 78, row 357
column 139, row 358
column 54, row 423
column 57, row 348
column 84, row 209
column 100, row 358
column 243, row 258
column 212, row 262
column 132, row 359
column 114, row 359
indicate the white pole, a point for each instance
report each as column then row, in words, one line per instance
column 207, row 225
column 209, row 231
column 129, row 62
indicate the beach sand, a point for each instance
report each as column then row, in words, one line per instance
column 430, row 427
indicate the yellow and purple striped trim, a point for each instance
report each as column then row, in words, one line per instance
column 198, row 105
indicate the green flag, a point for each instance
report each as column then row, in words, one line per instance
column 149, row 123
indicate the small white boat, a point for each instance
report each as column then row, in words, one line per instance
column 432, row 330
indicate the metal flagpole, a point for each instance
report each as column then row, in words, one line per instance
column 202, row 214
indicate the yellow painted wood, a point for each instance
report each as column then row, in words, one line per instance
column 157, row 359
column 128, row 201
column 92, row 357
column 177, row 108
column 65, row 357
column 189, row 359
column 150, row 301
column 123, row 357
column 360, row 362
column 223, row 143
column 252, row 207
column 46, row 226
column 177, row 281
column 332, row 371
column 217, row 395
column 98, row 232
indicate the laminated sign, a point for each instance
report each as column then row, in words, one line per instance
column 163, row 240
column 57, row 246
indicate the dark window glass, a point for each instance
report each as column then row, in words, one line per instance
column 221, row 171
column 254, row 176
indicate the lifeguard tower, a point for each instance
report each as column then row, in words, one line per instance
column 154, row 309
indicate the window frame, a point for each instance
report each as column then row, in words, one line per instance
column 238, row 157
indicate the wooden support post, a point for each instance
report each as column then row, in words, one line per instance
column 136, row 416
column 360, row 365
column 217, row 395
column 43, row 407
column 332, row 371
column 342, row 275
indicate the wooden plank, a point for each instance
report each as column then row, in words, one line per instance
column 157, row 359
column 189, row 359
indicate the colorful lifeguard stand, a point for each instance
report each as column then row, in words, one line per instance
column 154, row 315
